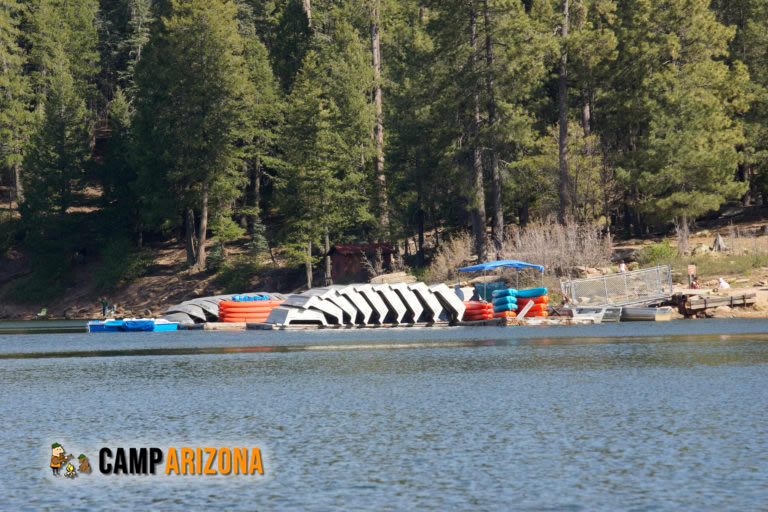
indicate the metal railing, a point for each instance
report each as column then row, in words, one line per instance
column 622, row 289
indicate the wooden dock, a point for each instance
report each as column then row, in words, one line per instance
column 695, row 304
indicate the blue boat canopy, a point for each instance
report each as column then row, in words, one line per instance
column 501, row 264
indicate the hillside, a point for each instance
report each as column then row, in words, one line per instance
column 166, row 279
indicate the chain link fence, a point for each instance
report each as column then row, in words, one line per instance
column 622, row 289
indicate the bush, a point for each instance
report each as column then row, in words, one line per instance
column 657, row 254
column 8, row 232
column 559, row 247
column 121, row 263
column 452, row 255
column 44, row 284
column 215, row 258
column 237, row 276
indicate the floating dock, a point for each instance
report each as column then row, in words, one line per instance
column 694, row 304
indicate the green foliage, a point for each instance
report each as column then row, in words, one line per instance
column 8, row 231
column 55, row 163
column 192, row 67
column 174, row 112
column 63, row 33
column 258, row 245
column 225, row 229
column 657, row 254
column 14, row 88
column 237, row 276
column 121, row 263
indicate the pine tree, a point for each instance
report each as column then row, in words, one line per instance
column 292, row 42
column 117, row 172
column 192, row 117
column 55, row 163
column 64, row 29
column 266, row 107
column 750, row 19
column 679, row 124
column 322, row 187
column 14, row 96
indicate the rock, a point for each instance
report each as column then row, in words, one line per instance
column 676, row 315
column 723, row 312
column 578, row 271
column 607, row 270
column 741, row 281
column 394, row 277
column 703, row 233
column 593, row 271
column 760, row 283
column 700, row 249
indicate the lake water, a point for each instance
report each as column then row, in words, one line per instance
column 638, row 416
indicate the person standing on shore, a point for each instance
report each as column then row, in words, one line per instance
column 104, row 306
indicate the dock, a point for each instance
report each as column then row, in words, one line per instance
column 696, row 305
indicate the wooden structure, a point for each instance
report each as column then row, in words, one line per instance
column 694, row 304
column 348, row 261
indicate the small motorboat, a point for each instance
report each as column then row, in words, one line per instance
column 132, row 325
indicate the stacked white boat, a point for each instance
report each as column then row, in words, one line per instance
column 344, row 305
column 370, row 305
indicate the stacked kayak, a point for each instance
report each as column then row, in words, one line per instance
column 247, row 309
column 506, row 303
column 475, row 310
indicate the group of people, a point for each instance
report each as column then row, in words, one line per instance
column 58, row 458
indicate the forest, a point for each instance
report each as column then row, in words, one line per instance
column 298, row 124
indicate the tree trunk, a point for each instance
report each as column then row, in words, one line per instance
column 328, row 277
column 308, row 10
column 564, row 188
column 421, row 232
column 683, row 233
column 308, row 264
column 19, row 185
column 255, row 194
column 378, row 130
column 203, row 229
column 189, row 229
column 525, row 212
column 586, row 112
column 477, row 188
column 497, row 230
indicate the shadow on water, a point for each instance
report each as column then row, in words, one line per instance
column 402, row 345
column 43, row 327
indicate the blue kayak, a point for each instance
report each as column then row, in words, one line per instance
column 507, row 299
column 531, row 293
column 508, row 292
column 511, row 306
